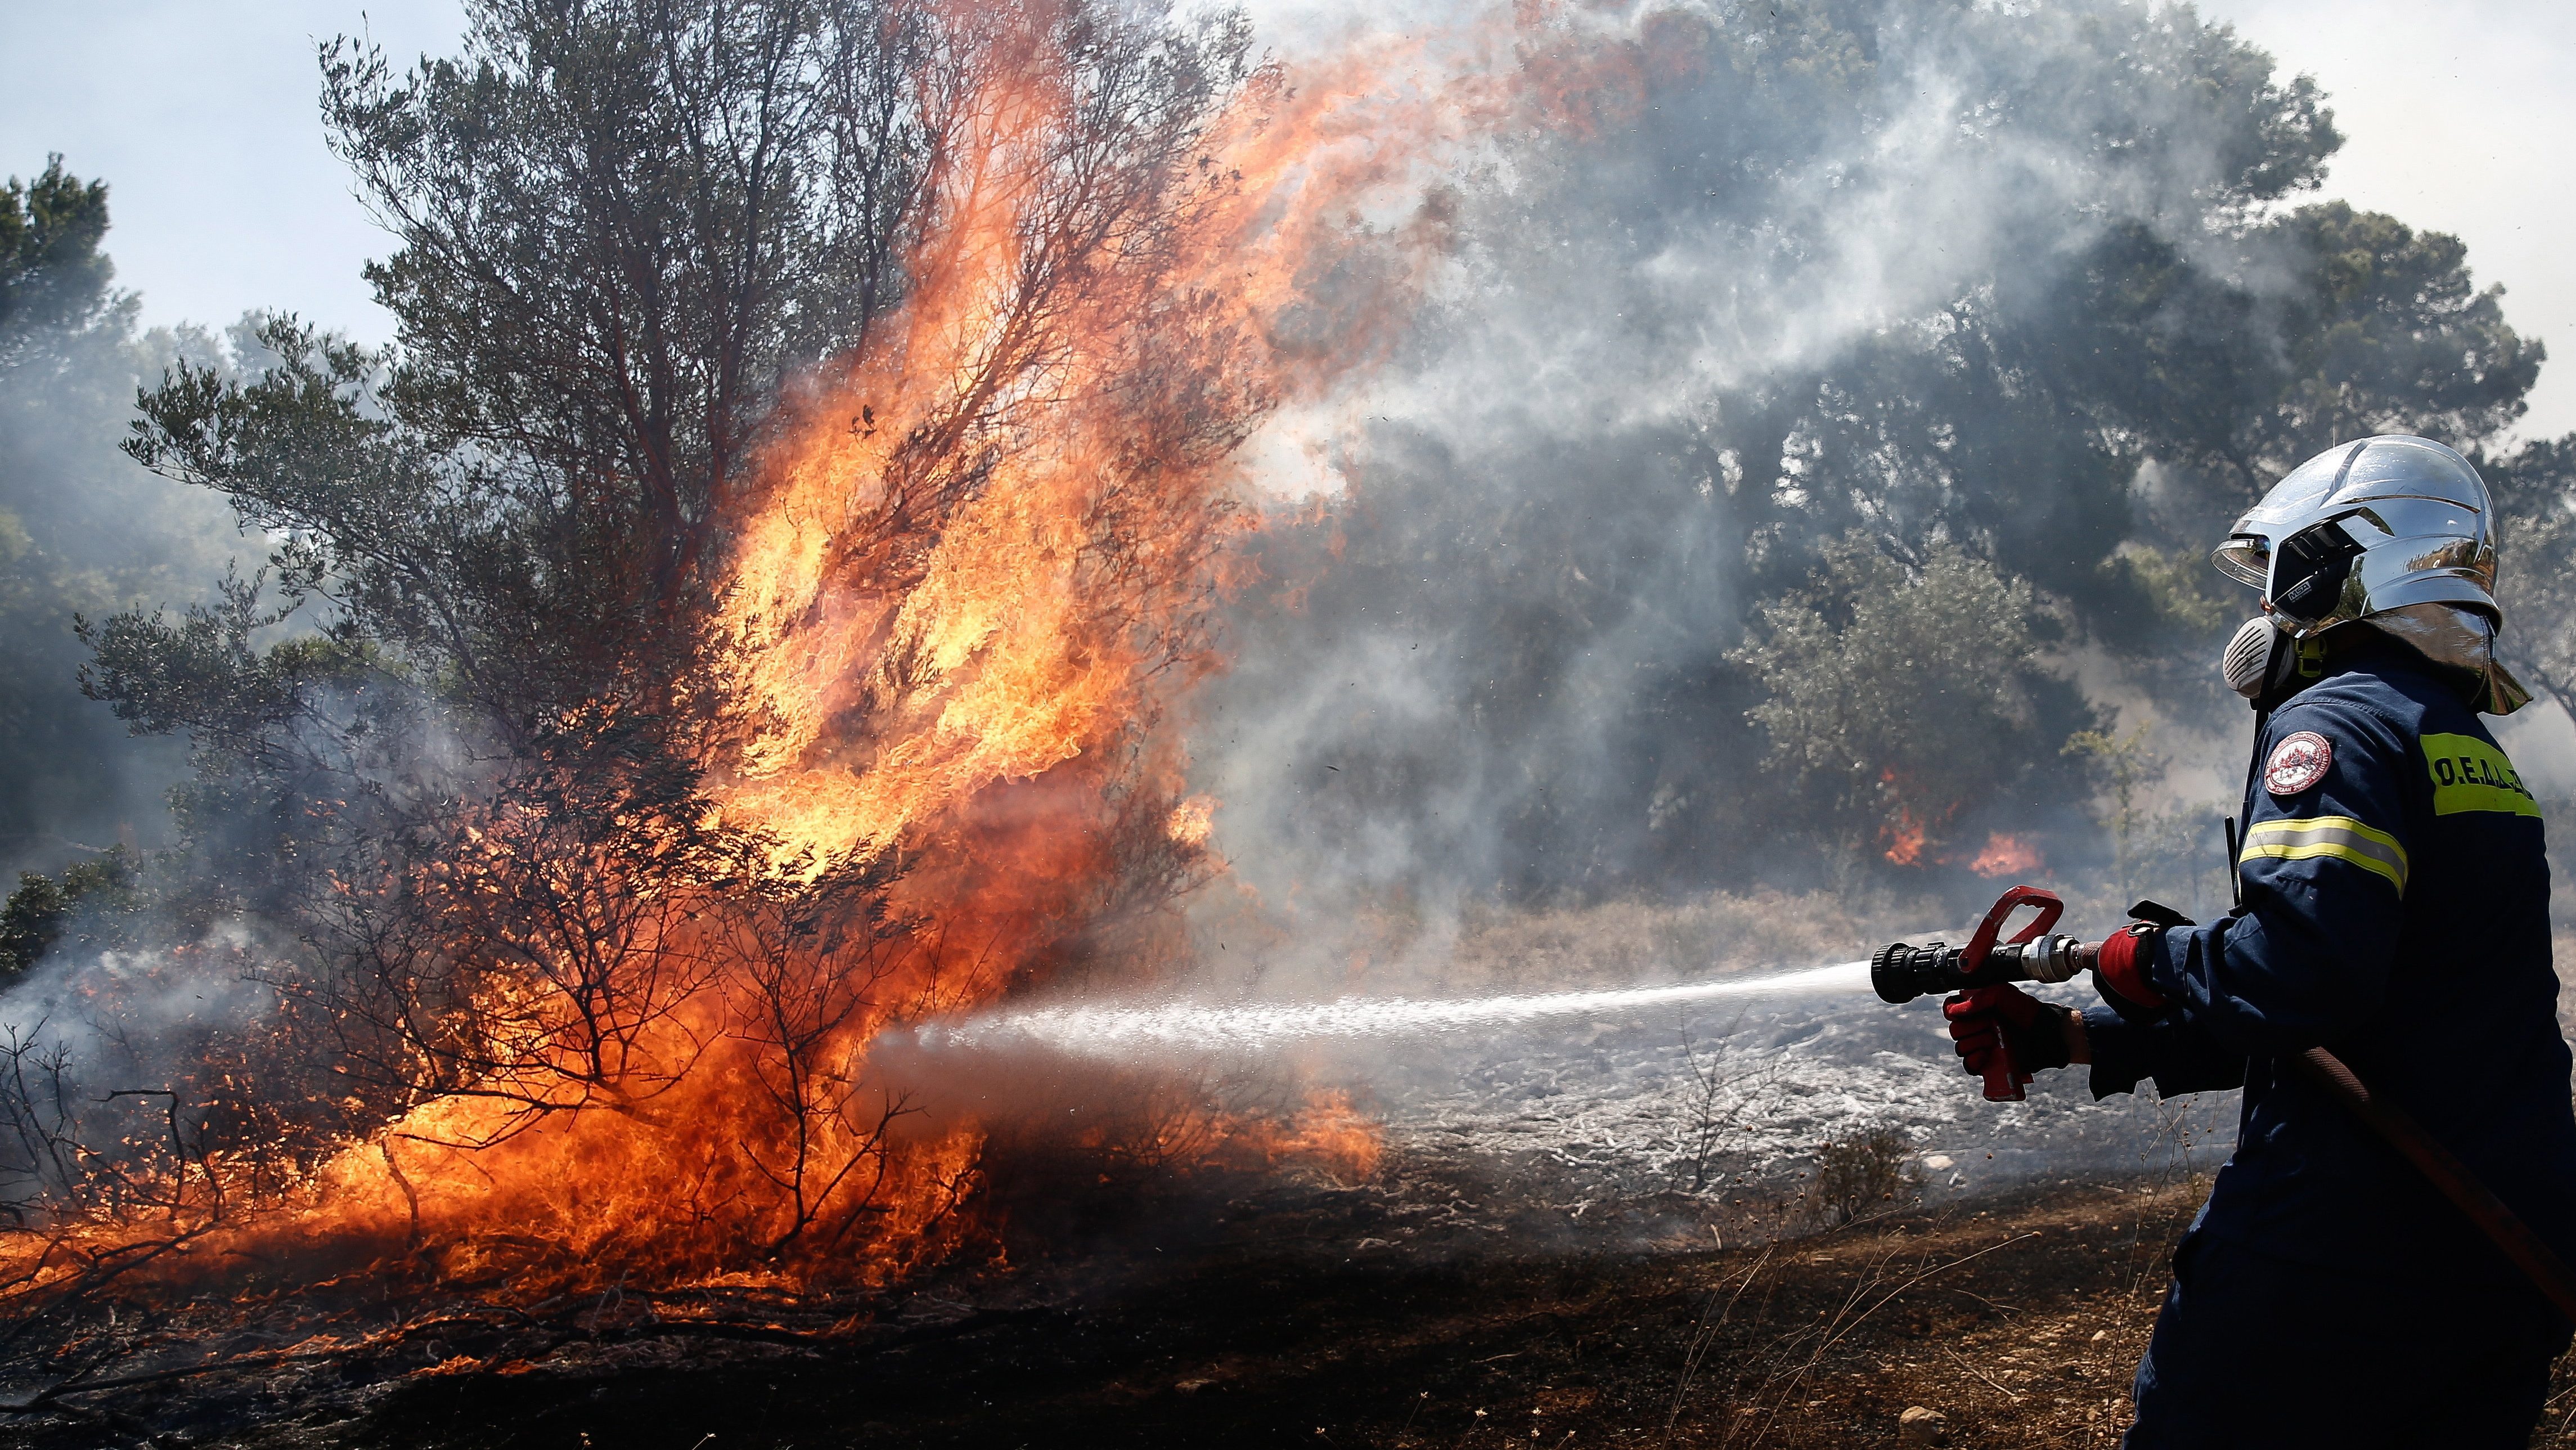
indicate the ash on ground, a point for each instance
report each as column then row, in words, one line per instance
column 1685, row 1122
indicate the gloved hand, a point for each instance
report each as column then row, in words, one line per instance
column 2120, row 973
column 2005, row 1029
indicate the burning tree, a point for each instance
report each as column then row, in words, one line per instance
column 733, row 619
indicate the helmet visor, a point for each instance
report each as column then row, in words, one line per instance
column 2246, row 558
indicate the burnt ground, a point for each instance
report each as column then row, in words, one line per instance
column 2017, row 1318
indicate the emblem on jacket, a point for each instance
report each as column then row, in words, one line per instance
column 2297, row 763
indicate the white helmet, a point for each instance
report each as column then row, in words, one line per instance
column 2394, row 530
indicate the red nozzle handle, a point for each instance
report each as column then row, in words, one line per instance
column 2050, row 909
column 2003, row 1076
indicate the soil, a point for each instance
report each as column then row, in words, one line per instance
column 2017, row 1320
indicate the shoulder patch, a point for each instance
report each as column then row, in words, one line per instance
column 2298, row 763
column 2471, row 775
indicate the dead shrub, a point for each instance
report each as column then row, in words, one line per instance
column 1859, row 1173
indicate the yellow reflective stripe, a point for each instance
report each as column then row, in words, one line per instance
column 2287, row 852
column 2312, row 824
column 2471, row 775
column 2340, row 837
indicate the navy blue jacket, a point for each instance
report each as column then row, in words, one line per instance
column 2396, row 912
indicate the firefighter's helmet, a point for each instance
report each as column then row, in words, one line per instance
column 2364, row 527
column 2395, row 530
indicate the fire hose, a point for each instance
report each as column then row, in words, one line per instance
column 1900, row 973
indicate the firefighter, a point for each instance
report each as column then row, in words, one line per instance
column 2394, row 909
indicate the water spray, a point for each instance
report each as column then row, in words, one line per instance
column 1118, row 1031
column 1898, row 972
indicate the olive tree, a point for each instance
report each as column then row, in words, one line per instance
column 1901, row 691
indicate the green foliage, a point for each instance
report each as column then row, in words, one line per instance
column 2386, row 334
column 621, row 228
column 2181, row 587
column 2132, row 766
column 624, row 228
column 2093, row 421
column 42, row 909
column 2016, row 413
column 266, row 724
column 53, row 277
column 419, row 557
column 1902, row 690
column 2320, row 325
column 31, row 922
column 2048, row 281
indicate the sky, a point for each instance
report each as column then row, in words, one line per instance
column 201, row 116
column 2451, row 115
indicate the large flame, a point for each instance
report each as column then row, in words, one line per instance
column 977, row 557
column 971, row 573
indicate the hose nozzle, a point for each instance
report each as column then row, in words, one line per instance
column 1899, row 972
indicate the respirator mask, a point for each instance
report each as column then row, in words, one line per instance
column 2276, row 654
column 2267, row 666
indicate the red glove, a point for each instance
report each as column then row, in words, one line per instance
column 2120, row 973
column 2004, row 1034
